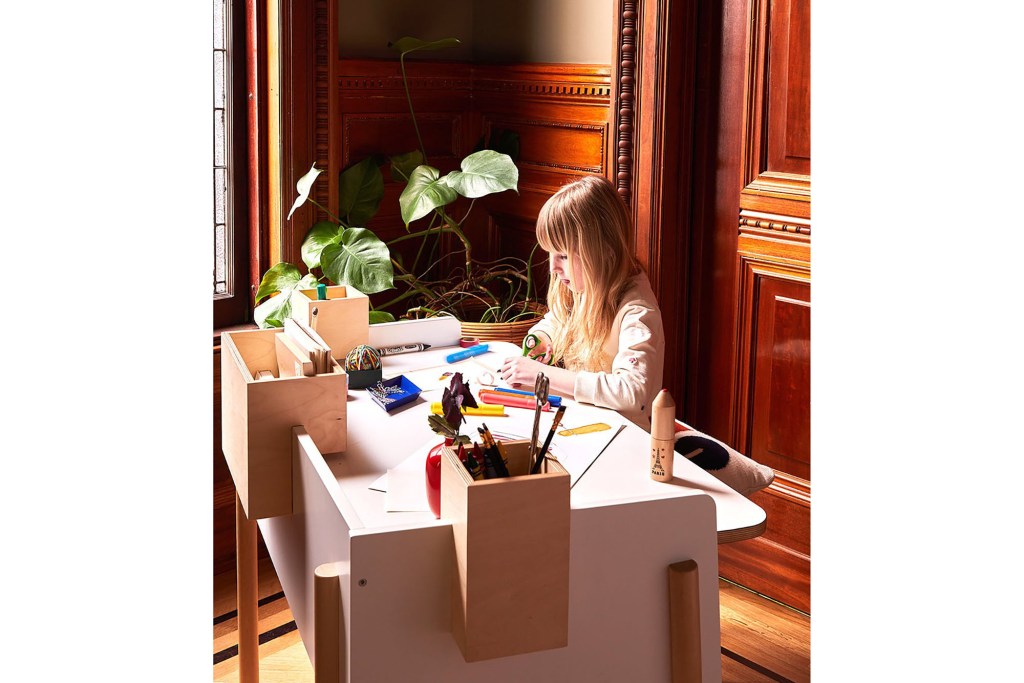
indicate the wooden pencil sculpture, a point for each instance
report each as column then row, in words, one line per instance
column 663, row 420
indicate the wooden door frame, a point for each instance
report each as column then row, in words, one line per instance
column 654, row 78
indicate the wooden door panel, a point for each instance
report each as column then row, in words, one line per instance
column 774, row 409
column 777, row 135
column 780, row 421
column 789, row 76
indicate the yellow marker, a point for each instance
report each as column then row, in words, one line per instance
column 481, row 409
column 585, row 429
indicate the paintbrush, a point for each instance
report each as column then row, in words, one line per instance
column 547, row 441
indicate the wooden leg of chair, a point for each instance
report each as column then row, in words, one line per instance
column 684, row 621
column 248, row 596
column 328, row 628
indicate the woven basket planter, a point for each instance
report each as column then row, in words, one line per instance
column 508, row 332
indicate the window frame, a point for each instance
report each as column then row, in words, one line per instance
column 235, row 307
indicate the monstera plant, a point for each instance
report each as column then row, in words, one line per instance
column 343, row 252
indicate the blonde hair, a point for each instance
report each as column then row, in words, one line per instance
column 587, row 219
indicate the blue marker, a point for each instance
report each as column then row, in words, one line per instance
column 466, row 353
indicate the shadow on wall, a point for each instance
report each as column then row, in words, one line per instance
column 491, row 31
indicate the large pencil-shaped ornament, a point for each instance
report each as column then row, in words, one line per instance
column 663, row 427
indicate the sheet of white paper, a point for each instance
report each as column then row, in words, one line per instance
column 578, row 452
column 414, row 463
column 407, row 491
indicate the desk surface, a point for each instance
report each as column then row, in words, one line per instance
column 621, row 474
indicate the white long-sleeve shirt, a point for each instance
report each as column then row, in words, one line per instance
column 636, row 346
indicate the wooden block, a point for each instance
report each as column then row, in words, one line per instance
column 258, row 417
column 329, row 664
column 292, row 361
column 510, row 584
column 342, row 319
column 684, row 621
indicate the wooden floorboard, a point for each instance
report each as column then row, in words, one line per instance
column 762, row 641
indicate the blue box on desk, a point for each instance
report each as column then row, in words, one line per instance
column 393, row 393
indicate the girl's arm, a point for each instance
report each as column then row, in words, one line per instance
column 636, row 369
column 522, row 371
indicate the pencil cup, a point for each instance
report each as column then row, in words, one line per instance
column 342, row 319
column 503, row 530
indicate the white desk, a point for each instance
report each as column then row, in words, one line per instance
column 393, row 570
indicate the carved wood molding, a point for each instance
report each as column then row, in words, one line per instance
column 576, row 83
column 793, row 489
column 322, row 57
column 523, row 87
column 416, row 83
column 623, row 108
column 774, row 225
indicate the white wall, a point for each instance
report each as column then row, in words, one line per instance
column 491, row 31
column 529, row 31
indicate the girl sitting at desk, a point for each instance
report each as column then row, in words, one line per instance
column 602, row 334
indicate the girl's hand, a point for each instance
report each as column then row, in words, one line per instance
column 537, row 347
column 519, row 371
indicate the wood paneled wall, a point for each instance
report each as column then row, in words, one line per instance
column 560, row 113
column 770, row 415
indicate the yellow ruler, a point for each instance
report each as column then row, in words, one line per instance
column 585, row 429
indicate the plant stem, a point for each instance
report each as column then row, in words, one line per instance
column 457, row 229
column 408, row 97
column 423, row 233
column 314, row 203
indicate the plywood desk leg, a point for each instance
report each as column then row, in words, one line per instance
column 248, row 596
column 328, row 628
column 684, row 621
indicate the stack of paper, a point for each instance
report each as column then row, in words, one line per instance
column 301, row 351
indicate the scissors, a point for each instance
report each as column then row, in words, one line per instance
column 530, row 342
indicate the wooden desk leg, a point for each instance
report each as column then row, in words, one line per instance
column 248, row 596
column 684, row 621
column 328, row 626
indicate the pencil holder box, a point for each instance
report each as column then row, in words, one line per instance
column 510, row 572
column 342, row 319
column 258, row 416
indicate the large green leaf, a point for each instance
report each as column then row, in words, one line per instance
column 281, row 277
column 359, row 259
column 424, row 193
column 318, row 237
column 303, row 186
column 284, row 280
column 408, row 44
column 362, row 188
column 402, row 165
column 381, row 317
column 483, row 173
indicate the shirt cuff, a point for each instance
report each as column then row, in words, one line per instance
column 585, row 388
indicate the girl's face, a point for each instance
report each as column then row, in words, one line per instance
column 567, row 270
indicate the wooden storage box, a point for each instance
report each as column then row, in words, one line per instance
column 510, row 579
column 342, row 319
column 258, row 416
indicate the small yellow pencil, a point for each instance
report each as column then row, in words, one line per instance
column 488, row 409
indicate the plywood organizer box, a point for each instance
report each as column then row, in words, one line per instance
column 523, row 579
